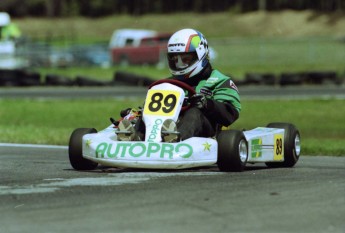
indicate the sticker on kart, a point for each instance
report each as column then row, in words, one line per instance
column 140, row 149
column 203, row 149
column 161, row 102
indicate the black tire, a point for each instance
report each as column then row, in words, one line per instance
column 291, row 79
column 232, row 151
column 88, row 82
column 28, row 78
column 75, row 150
column 9, row 78
column 292, row 148
column 126, row 78
column 57, row 80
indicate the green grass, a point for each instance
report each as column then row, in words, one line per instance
column 279, row 55
column 52, row 121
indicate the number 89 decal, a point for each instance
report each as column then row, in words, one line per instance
column 278, row 147
column 161, row 102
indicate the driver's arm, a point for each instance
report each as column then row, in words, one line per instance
column 224, row 106
column 223, row 113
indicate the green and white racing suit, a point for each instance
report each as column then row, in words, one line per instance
column 222, row 109
column 223, row 105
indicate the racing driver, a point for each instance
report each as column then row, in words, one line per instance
column 216, row 102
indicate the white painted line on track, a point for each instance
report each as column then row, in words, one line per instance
column 32, row 146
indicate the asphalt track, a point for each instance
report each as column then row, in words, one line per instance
column 39, row 192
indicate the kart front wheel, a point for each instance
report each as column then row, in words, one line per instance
column 75, row 150
column 292, row 145
column 232, row 151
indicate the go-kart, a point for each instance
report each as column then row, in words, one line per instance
column 277, row 144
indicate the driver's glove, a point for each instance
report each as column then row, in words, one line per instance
column 131, row 114
column 125, row 112
column 198, row 100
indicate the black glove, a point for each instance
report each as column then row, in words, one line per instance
column 125, row 112
column 198, row 100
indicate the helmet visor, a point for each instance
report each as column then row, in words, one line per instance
column 181, row 61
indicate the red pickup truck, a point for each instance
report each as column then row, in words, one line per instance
column 138, row 47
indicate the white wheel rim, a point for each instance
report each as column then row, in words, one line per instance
column 297, row 145
column 243, row 151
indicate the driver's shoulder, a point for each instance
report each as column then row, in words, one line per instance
column 216, row 79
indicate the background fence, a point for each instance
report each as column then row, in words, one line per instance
column 270, row 54
column 257, row 61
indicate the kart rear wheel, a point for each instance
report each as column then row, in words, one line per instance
column 232, row 151
column 75, row 150
column 292, row 145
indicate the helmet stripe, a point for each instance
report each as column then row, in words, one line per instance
column 190, row 41
column 195, row 42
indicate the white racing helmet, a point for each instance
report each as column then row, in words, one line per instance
column 187, row 53
column 5, row 19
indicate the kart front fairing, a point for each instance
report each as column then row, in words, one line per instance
column 163, row 101
column 103, row 148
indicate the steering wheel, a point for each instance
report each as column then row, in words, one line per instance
column 183, row 85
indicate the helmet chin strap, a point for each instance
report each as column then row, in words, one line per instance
column 179, row 64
